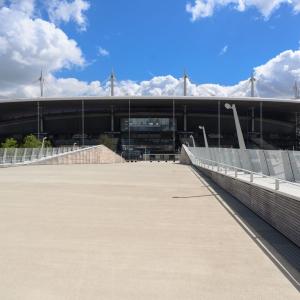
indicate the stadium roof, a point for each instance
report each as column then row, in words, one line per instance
column 147, row 98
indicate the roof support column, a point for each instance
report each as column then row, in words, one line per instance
column 297, row 117
column 38, row 120
column 129, row 129
column 252, row 119
column 219, row 124
column 112, row 119
column 261, row 126
column 174, row 136
column 42, row 124
column 184, row 119
column 82, row 123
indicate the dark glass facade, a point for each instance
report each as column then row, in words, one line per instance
column 154, row 125
column 147, row 124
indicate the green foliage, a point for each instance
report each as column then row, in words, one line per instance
column 108, row 141
column 9, row 143
column 48, row 144
column 31, row 141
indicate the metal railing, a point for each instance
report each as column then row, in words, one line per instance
column 19, row 156
column 274, row 163
column 240, row 173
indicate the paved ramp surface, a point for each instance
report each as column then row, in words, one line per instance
column 128, row 231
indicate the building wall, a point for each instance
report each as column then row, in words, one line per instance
column 63, row 119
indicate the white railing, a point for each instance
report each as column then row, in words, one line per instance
column 244, row 174
column 19, row 156
column 274, row 163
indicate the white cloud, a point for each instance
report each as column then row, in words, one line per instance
column 206, row 8
column 66, row 11
column 24, row 52
column 278, row 75
column 60, row 87
column 28, row 44
column 274, row 79
column 224, row 50
column 25, row 6
column 103, row 52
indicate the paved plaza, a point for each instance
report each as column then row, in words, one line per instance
column 129, row 231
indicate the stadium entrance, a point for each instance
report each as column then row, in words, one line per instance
column 142, row 136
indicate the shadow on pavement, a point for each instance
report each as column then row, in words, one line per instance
column 187, row 197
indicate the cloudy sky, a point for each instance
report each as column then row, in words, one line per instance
column 149, row 44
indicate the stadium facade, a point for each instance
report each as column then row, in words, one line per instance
column 153, row 124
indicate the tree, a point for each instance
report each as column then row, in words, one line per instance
column 48, row 144
column 10, row 143
column 31, row 141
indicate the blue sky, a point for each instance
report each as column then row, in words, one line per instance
column 149, row 44
column 150, row 38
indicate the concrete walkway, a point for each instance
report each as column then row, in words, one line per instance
column 128, row 231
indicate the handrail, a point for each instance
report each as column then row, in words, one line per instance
column 39, row 155
column 251, row 173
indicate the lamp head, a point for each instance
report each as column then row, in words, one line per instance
column 228, row 106
column 201, row 127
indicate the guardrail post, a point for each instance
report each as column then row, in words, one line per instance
column 24, row 155
column 277, row 184
column 251, row 177
column 40, row 153
column 235, row 173
column 15, row 155
column 32, row 154
column 4, row 155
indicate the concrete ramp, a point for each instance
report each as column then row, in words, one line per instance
column 92, row 155
column 133, row 231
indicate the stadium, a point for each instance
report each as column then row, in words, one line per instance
column 152, row 124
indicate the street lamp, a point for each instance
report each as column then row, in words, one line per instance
column 194, row 144
column 42, row 147
column 204, row 136
column 237, row 125
column 43, row 142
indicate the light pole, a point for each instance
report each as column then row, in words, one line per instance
column 42, row 147
column 204, row 136
column 237, row 125
column 43, row 142
column 194, row 144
